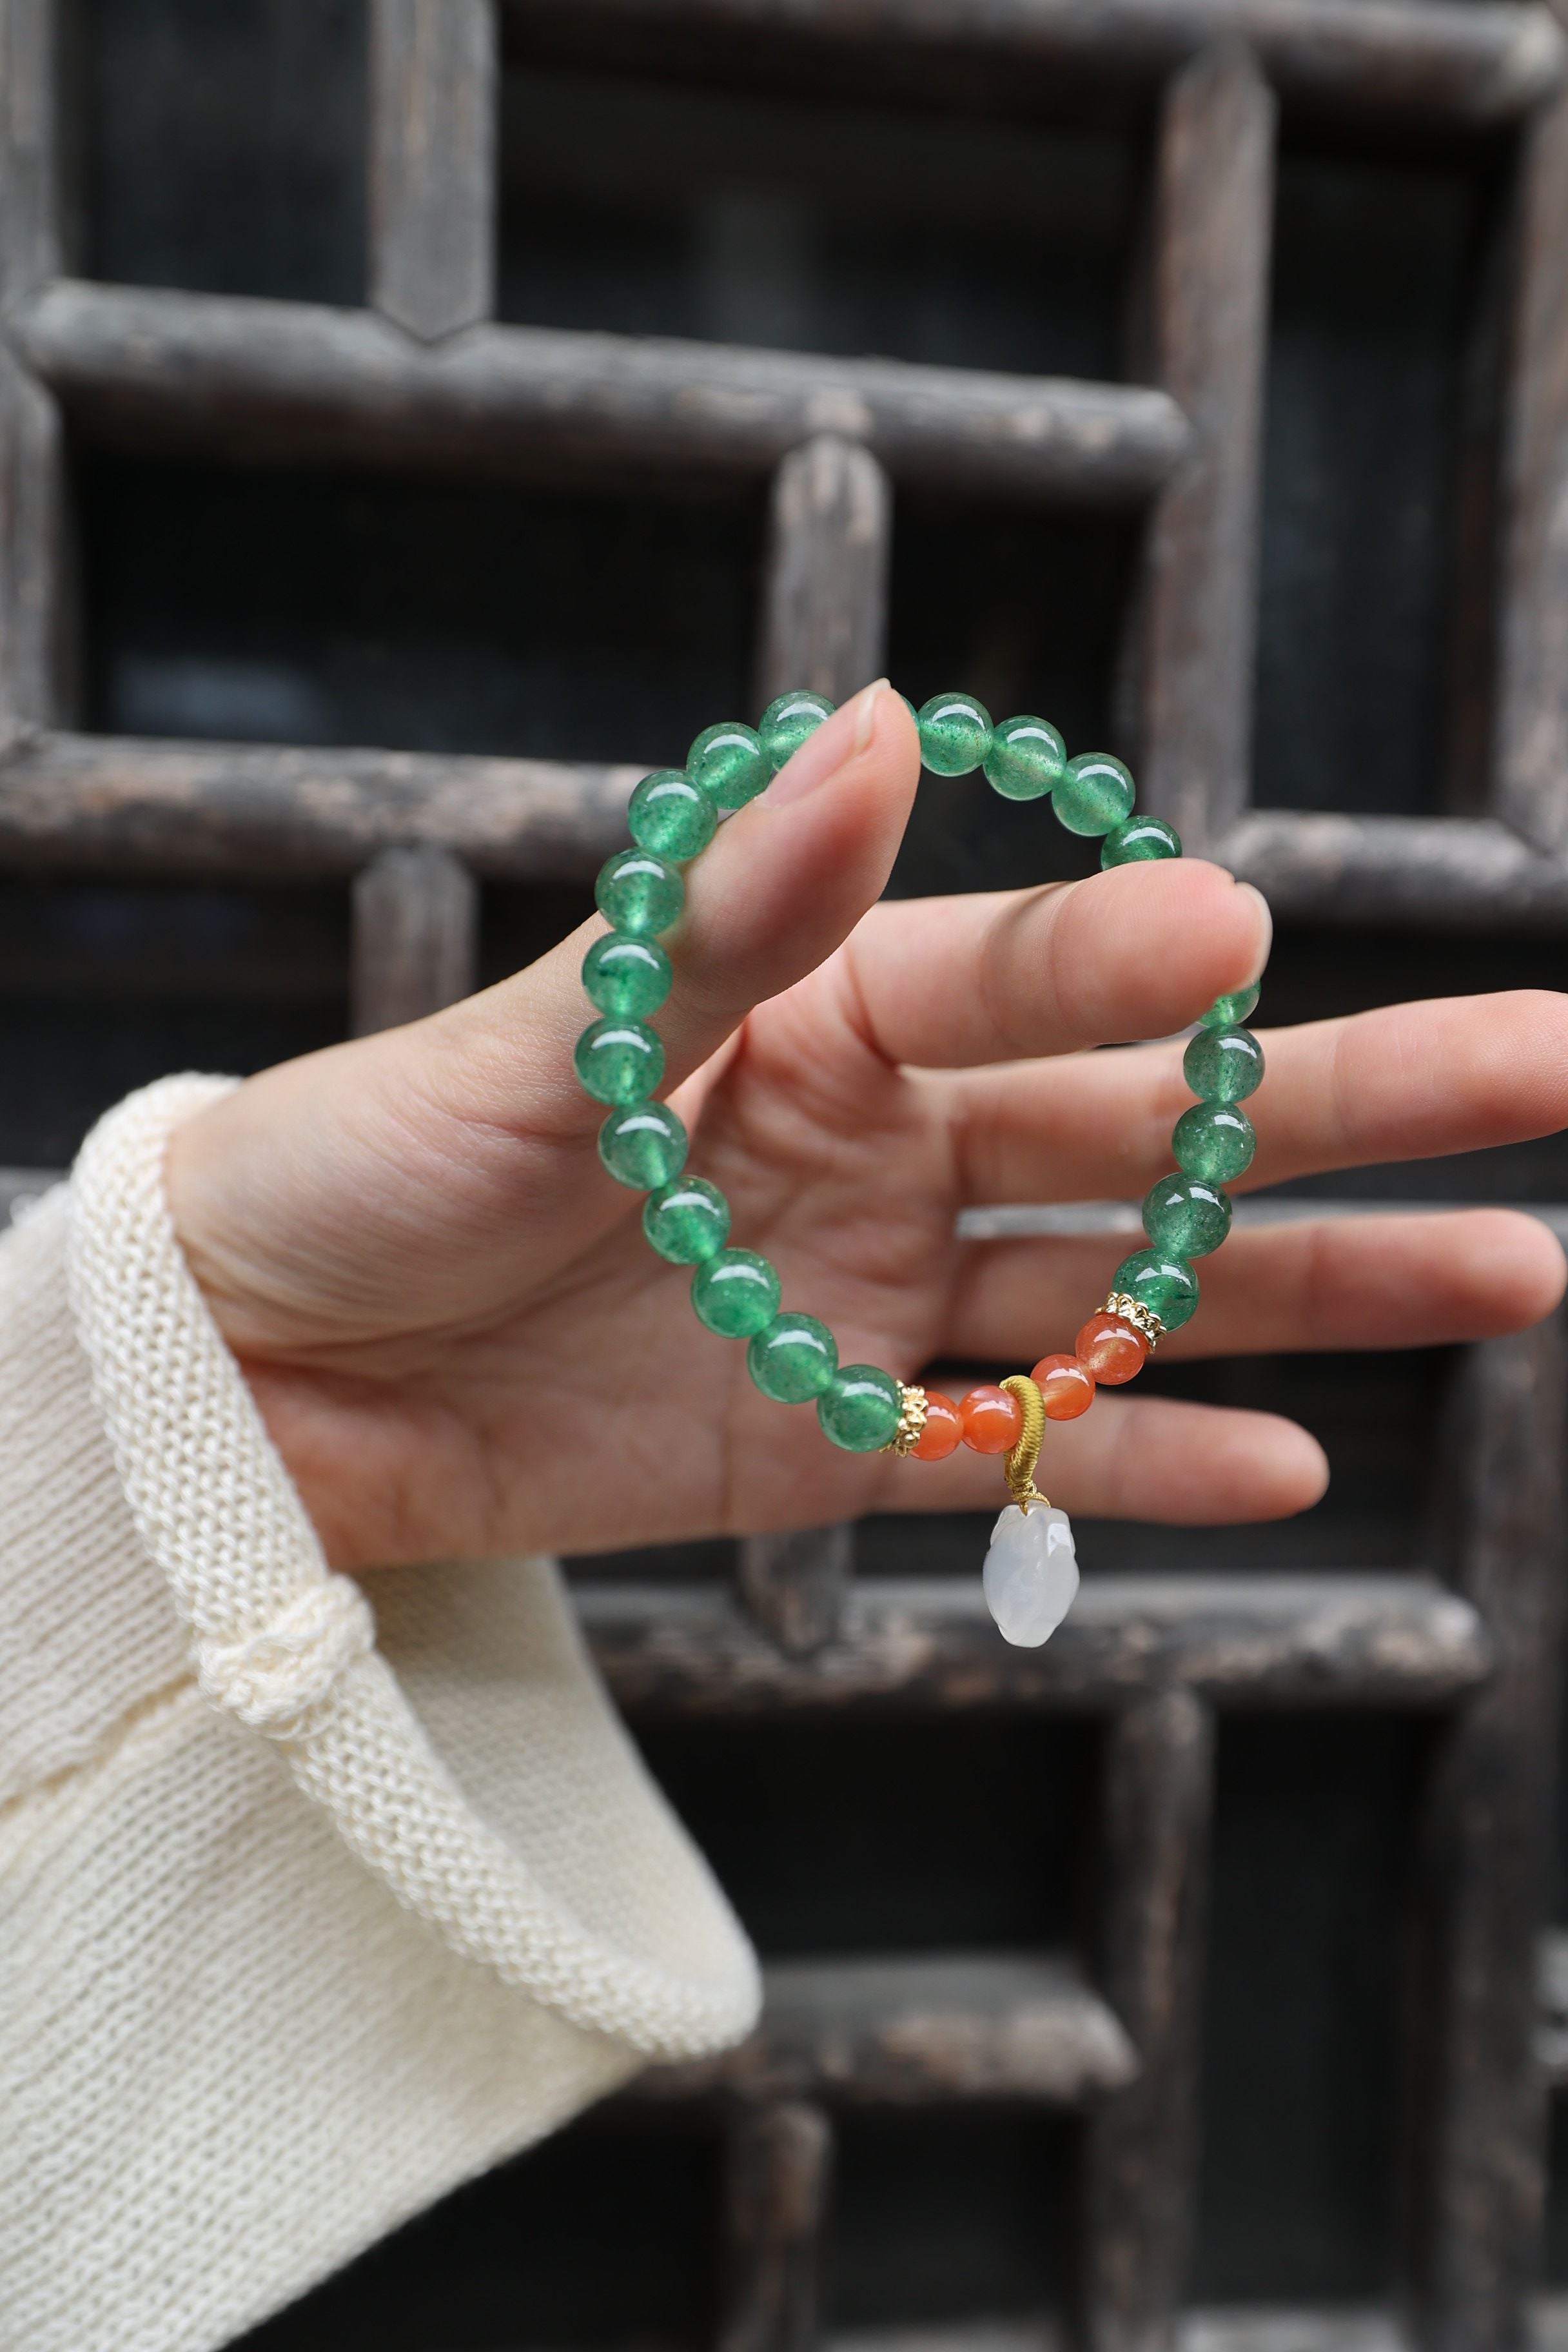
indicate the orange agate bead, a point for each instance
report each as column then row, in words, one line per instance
column 993, row 1421
column 1066, row 1386
column 1112, row 1349
column 943, row 1432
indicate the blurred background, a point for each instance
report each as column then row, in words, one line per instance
column 1306, row 1869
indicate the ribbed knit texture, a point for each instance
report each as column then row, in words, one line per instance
column 298, row 1929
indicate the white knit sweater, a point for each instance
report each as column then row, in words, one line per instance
column 307, row 1913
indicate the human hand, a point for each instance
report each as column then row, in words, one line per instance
column 464, row 1347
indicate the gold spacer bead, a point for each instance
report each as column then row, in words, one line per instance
column 911, row 1420
column 1132, row 1310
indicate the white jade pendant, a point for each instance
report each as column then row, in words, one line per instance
column 1031, row 1573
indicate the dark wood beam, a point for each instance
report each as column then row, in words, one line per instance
column 1413, row 873
column 778, row 2161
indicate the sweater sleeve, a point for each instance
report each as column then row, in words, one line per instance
column 316, row 1898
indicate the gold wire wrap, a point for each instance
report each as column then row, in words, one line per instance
column 912, row 1410
column 1132, row 1310
column 1021, row 1461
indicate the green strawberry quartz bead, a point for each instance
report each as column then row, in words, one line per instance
column 643, row 1146
column 1185, row 1216
column 639, row 892
column 1214, row 1140
column 859, row 1408
column 735, row 1293
column 1138, row 838
column 1161, row 1280
column 1223, row 1064
column 1025, row 760
column 1228, row 1012
column 729, row 763
column 619, row 1061
column 955, row 734
column 669, row 815
column 794, row 1358
column 786, row 722
column 689, row 1222
column 627, row 976
column 1096, row 793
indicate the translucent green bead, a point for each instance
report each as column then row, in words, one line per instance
column 669, row 815
column 735, row 1293
column 1214, row 1140
column 639, row 892
column 859, row 1408
column 1223, row 1064
column 1095, row 794
column 689, row 1222
column 1162, row 1281
column 794, row 1358
column 1184, row 1214
column 1025, row 760
column 619, row 1061
column 786, row 722
column 643, row 1146
column 729, row 763
column 623, row 975
column 1226, row 1012
column 1137, row 839
column 955, row 734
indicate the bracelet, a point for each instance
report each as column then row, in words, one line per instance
column 1031, row 1572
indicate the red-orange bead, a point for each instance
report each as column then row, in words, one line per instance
column 1112, row 1349
column 943, row 1432
column 1066, row 1388
column 993, row 1419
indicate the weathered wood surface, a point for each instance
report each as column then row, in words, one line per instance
column 794, row 1584
column 96, row 802
column 1235, row 2328
column 778, row 2161
column 824, row 584
column 914, row 2031
column 251, row 380
column 1477, row 2108
column 1551, row 2008
column 1328, row 1640
column 416, row 938
column 1460, row 62
column 1212, row 213
column 1143, row 2147
column 432, row 143
column 1417, row 873
column 30, row 127
column 34, row 633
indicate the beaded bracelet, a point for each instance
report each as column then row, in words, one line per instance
column 1031, row 1572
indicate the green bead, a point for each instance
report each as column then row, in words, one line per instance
column 955, row 734
column 796, row 1357
column 859, row 1408
column 619, row 1061
column 643, row 1146
column 1162, row 1281
column 786, row 722
column 669, row 815
column 1184, row 1214
column 729, row 763
column 1226, row 1012
column 639, row 892
column 1214, row 1140
column 1137, row 839
column 1025, row 760
column 735, row 1293
column 1096, row 793
column 689, row 1222
column 623, row 975
column 1223, row 1064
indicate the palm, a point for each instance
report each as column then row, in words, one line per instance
column 464, row 1346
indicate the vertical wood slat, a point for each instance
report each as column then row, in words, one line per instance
column 1141, row 2149
column 1532, row 739
column 1209, row 297
column 416, row 937
column 825, row 614
column 778, row 2161
column 794, row 1584
column 30, row 131
column 34, row 561
column 432, row 193
column 1476, row 2120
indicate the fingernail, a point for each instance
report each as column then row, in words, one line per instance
column 836, row 743
column 1264, row 910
